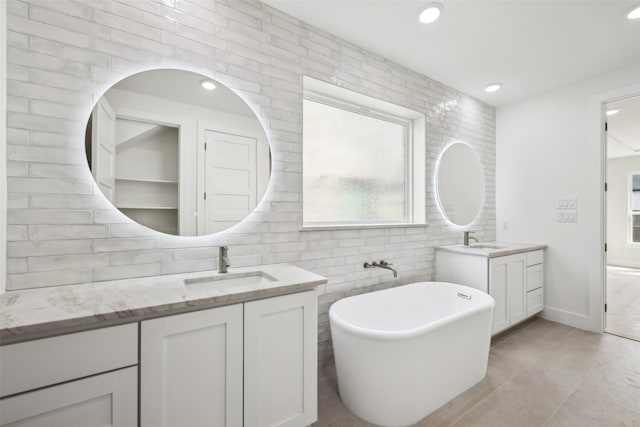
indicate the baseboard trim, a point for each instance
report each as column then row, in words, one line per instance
column 569, row 318
column 620, row 262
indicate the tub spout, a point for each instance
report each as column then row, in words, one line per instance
column 382, row 264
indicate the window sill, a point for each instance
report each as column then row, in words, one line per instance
column 336, row 227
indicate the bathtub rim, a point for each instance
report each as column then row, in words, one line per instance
column 419, row 330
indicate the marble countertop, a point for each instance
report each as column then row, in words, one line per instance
column 492, row 249
column 44, row 312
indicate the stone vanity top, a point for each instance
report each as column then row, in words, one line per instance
column 492, row 249
column 43, row 312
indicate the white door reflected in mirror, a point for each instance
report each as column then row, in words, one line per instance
column 175, row 157
column 459, row 184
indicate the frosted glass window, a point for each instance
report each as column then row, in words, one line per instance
column 634, row 205
column 355, row 166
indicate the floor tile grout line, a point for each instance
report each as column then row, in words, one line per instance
column 525, row 367
column 582, row 380
column 623, row 336
column 575, row 388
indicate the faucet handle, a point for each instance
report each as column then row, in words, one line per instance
column 383, row 262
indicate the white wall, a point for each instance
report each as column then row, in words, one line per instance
column 547, row 148
column 3, row 146
column 619, row 251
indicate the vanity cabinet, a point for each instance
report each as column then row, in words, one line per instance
column 250, row 364
column 81, row 379
column 514, row 280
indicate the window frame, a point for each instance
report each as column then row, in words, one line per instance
column 413, row 123
column 631, row 213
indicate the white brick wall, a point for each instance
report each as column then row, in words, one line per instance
column 14, row 169
column 62, row 231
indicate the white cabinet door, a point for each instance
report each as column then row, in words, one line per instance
column 280, row 355
column 507, row 287
column 99, row 401
column 498, row 289
column 516, row 270
column 191, row 369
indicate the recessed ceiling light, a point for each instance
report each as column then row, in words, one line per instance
column 493, row 87
column 634, row 12
column 208, row 84
column 430, row 13
column 612, row 112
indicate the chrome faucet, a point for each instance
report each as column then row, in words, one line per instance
column 223, row 259
column 467, row 237
column 382, row 264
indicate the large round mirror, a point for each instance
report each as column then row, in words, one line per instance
column 459, row 184
column 178, row 152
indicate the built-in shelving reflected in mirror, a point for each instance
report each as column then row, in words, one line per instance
column 178, row 152
column 459, row 184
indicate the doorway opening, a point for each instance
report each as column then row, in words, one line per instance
column 623, row 218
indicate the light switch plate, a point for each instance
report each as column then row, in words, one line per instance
column 568, row 216
column 568, row 203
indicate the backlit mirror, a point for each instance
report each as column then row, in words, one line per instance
column 459, row 184
column 178, row 152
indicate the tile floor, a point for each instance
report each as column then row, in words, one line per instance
column 623, row 301
column 540, row 374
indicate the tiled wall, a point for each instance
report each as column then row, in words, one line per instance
column 61, row 230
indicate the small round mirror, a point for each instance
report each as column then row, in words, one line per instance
column 178, row 152
column 459, row 184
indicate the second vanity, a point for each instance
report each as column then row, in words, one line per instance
column 512, row 273
column 193, row 349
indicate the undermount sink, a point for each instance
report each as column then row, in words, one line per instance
column 481, row 246
column 229, row 280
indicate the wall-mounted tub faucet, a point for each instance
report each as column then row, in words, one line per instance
column 382, row 264
column 223, row 259
column 467, row 237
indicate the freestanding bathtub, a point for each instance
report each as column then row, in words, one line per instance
column 403, row 352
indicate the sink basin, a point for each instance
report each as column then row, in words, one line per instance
column 481, row 246
column 229, row 280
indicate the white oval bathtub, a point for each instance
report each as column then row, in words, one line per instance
column 403, row 352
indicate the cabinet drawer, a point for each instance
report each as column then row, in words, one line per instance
column 535, row 257
column 535, row 302
column 535, row 277
column 102, row 400
column 34, row 364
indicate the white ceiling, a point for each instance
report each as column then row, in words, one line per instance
column 529, row 46
column 623, row 135
column 184, row 86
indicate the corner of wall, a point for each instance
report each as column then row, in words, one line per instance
column 3, row 146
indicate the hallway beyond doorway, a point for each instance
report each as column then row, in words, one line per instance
column 623, row 302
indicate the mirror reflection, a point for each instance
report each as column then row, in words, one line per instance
column 460, row 184
column 178, row 152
